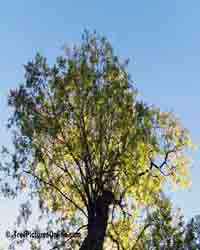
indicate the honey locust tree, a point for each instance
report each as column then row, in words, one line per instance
column 89, row 148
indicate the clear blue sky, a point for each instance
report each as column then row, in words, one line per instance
column 161, row 38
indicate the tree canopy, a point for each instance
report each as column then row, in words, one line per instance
column 89, row 148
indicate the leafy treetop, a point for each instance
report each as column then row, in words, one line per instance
column 79, row 130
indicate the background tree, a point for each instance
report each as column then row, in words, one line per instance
column 90, row 151
column 166, row 230
column 192, row 234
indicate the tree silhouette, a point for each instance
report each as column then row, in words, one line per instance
column 89, row 148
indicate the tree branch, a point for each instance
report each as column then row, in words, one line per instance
column 57, row 189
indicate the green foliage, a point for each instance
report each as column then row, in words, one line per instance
column 166, row 230
column 79, row 129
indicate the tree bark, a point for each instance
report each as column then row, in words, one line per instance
column 97, row 223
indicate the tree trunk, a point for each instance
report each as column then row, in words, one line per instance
column 97, row 223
